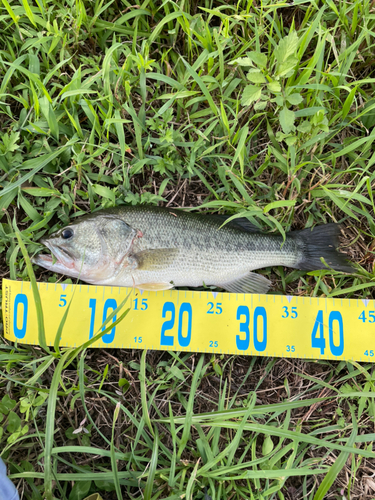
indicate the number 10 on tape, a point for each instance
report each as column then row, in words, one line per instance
column 246, row 324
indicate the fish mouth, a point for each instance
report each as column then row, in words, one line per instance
column 64, row 259
column 46, row 261
column 64, row 256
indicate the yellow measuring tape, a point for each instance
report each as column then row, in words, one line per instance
column 250, row 324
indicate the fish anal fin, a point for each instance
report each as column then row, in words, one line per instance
column 250, row 283
column 154, row 287
column 155, row 259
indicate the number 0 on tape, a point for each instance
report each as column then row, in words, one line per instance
column 246, row 324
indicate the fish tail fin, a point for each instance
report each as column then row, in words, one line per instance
column 321, row 242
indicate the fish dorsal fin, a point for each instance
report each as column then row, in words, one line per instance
column 241, row 223
column 250, row 283
column 155, row 259
column 154, row 287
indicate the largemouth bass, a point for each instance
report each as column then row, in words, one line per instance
column 155, row 248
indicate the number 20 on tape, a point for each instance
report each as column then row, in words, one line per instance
column 246, row 324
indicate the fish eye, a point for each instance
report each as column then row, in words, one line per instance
column 67, row 233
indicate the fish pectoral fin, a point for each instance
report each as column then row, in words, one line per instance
column 155, row 259
column 250, row 283
column 154, row 287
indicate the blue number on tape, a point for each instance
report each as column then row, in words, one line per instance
column 318, row 341
column 62, row 302
column 243, row 344
column 293, row 313
column 168, row 340
column 144, row 305
column 214, row 308
column 260, row 346
column 167, row 325
column 92, row 306
column 371, row 316
column 336, row 350
column 109, row 304
column 185, row 308
column 20, row 298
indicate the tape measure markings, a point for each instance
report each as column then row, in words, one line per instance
column 198, row 321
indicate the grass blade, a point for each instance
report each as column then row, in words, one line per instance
column 48, row 475
column 34, row 286
column 148, row 493
column 338, row 465
column 189, row 411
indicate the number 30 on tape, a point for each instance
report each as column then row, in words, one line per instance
column 246, row 324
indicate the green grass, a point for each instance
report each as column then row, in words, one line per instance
column 256, row 107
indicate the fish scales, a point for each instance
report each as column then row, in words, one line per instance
column 158, row 248
column 208, row 253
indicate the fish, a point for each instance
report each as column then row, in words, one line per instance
column 158, row 248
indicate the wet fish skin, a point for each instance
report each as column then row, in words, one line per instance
column 157, row 248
